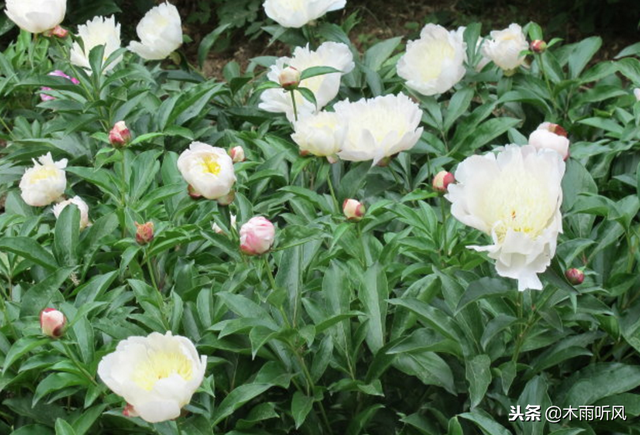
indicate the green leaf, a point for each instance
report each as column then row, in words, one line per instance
column 458, row 105
column 236, row 399
column 596, row 382
column 40, row 295
column 29, row 249
column 317, row 71
column 208, row 41
column 65, row 242
column 378, row 53
column 64, row 428
column 307, row 94
column 581, row 54
column 373, row 293
column 485, row 422
column 486, row 132
column 300, row 407
column 56, row 382
column 481, row 289
column 21, row 348
column 478, row 374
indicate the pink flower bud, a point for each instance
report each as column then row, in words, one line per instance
column 550, row 136
column 442, row 180
column 59, row 32
column 257, row 236
column 144, row 233
column 119, row 135
column 289, row 78
column 227, row 199
column 353, row 209
column 237, row 154
column 538, row 46
column 52, row 322
column 574, row 276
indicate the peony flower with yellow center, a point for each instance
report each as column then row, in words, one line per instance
column 156, row 375
column 44, row 182
column 297, row 13
column 434, row 63
column 99, row 31
column 504, row 47
column 320, row 135
column 160, row 33
column 208, row 170
column 515, row 198
column 324, row 87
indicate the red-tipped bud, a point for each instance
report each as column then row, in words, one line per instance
column 574, row 276
column 52, row 322
column 119, row 136
column 193, row 193
column 227, row 199
column 237, row 154
column 289, row 78
column 257, row 236
column 538, row 46
column 353, row 209
column 442, row 180
column 59, row 32
column 144, row 233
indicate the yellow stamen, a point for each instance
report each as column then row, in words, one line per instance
column 210, row 165
column 160, row 365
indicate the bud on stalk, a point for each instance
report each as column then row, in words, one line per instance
column 442, row 180
column 144, row 233
column 52, row 322
column 574, row 276
column 289, row 78
column 237, row 154
column 353, row 209
column 119, row 136
column 538, row 46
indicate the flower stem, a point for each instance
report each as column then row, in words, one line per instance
column 333, row 193
column 76, row 363
column 272, row 283
column 295, row 107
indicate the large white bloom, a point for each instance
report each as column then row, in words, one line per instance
column 36, row 16
column 514, row 197
column 160, row 32
column 156, row 375
column 434, row 63
column 379, row 127
column 78, row 202
column 99, row 31
column 324, row 87
column 207, row 169
column 297, row 13
column 550, row 136
column 45, row 182
column 504, row 47
column 320, row 135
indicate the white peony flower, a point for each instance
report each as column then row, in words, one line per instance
column 550, row 136
column 636, row 93
column 504, row 47
column 45, row 182
column 434, row 63
column 36, row 16
column 514, row 197
column 99, row 31
column 297, row 13
column 324, row 87
column 160, row 31
column 320, row 135
column 208, row 170
column 82, row 206
column 379, row 127
column 156, row 375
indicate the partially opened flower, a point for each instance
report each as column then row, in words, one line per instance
column 324, row 87
column 550, row 136
column 257, row 236
column 379, row 127
column 320, row 135
column 36, row 16
column 82, row 207
column 208, row 170
column 297, row 13
column 156, row 375
column 434, row 63
column 504, row 47
column 160, row 33
column 44, row 182
column 515, row 198
column 99, row 31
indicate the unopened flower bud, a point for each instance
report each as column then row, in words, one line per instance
column 538, row 46
column 227, row 199
column 52, row 322
column 144, row 233
column 193, row 193
column 574, row 276
column 353, row 209
column 237, row 154
column 442, row 180
column 59, row 32
column 257, row 236
column 550, row 136
column 119, row 136
column 289, row 78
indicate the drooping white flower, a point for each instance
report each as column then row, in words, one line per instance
column 434, row 63
column 324, row 87
column 156, row 375
column 44, row 182
column 321, row 134
column 550, row 136
column 36, row 16
column 504, row 47
column 99, row 31
column 78, row 202
column 514, row 197
column 379, row 127
column 297, row 13
column 160, row 33
column 208, row 170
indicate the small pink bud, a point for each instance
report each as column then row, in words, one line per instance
column 227, row 199
column 538, row 46
column 442, row 180
column 119, row 136
column 257, row 236
column 52, row 322
column 289, row 78
column 237, row 154
column 353, row 209
column 59, row 32
column 574, row 276
column 129, row 411
column 193, row 193
column 144, row 233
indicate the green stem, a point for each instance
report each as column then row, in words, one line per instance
column 295, row 107
column 149, row 264
column 333, row 193
column 272, row 283
column 75, row 362
column 546, row 79
column 444, row 226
